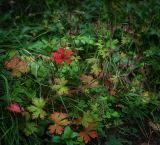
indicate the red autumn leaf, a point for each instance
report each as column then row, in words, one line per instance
column 55, row 129
column 60, row 120
column 88, row 133
column 62, row 55
column 15, row 108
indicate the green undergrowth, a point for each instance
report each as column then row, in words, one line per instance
column 79, row 72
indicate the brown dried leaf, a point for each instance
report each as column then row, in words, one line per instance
column 89, row 81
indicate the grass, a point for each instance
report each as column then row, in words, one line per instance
column 112, row 80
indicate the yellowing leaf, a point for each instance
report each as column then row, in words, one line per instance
column 60, row 87
column 62, row 91
column 92, row 60
column 89, row 81
column 115, row 79
column 28, row 59
column 17, row 66
column 37, row 108
column 147, row 96
column 60, row 120
column 95, row 69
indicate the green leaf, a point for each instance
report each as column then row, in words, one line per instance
column 39, row 46
column 39, row 69
column 12, row 53
column 115, row 114
column 30, row 128
column 69, row 133
column 70, row 142
column 89, row 117
column 34, row 68
column 60, row 87
column 39, row 102
column 114, row 141
column 37, row 108
column 62, row 91
column 56, row 139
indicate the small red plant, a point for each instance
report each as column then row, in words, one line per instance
column 62, row 55
column 15, row 108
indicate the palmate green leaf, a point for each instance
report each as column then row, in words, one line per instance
column 39, row 46
column 30, row 128
column 39, row 102
column 69, row 133
column 37, row 108
column 61, row 81
column 62, row 91
column 39, row 69
column 60, row 87
column 89, row 117
column 56, row 139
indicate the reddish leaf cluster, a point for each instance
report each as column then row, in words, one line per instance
column 15, row 108
column 62, row 55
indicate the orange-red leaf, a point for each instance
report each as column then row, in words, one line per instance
column 12, row 63
column 17, row 66
column 60, row 120
column 93, row 134
column 84, row 136
column 87, row 135
column 55, row 129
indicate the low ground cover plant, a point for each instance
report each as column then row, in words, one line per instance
column 79, row 72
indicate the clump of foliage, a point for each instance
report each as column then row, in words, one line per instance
column 79, row 72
